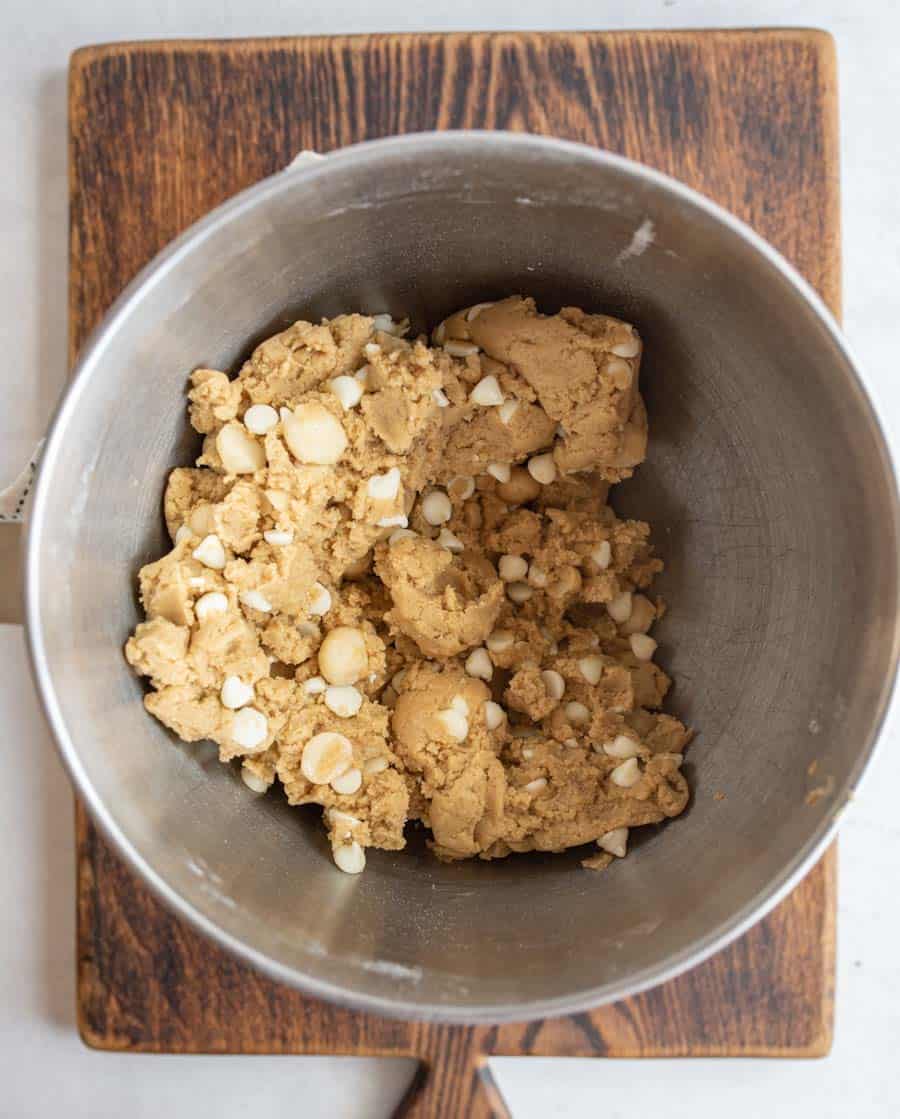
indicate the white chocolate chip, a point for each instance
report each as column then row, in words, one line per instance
column 374, row 766
column 362, row 375
column 577, row 714
column 602, row 555
column 315, row 685
column 384, row 487
column 343, row 658
column 628, row 347
column 536, row 786
column 554, row 683
column 342, row 822
column 518, row 592
column 626, row 774
column 401, row 534
column 542, row 468
column 507, row 410
column 256, row 600
column 326, row 756
column 235, row 693
column 238, row 450
column 183, row 533
column 494, row 715
column 459, row 704
column 349, row 857
column 440, row 398
column 537, row 576
column 460, row 349
column 642, row 646
column 501, row 471
column 348, row 391
column 213, row 603
column 619, row 370
column 622, row 746
column 399, row 521
column 478, row 664
column 619, row 609
column 436, row 507
column 348, row 783
column 278, row 538
column 454, row 723
column 643, row 615
column 591, row 668
column 447, row 540
column 344, row 700
column 277, row 499
column 614, row 842
column 321, row 600
column 260, row 418
column 372, row 349
column 249, row 729
column 210, row 552
column 527, row 753
column 384, row 323
column 500, row 640
column 572, row 743
column 475, row 311
column 253, row 781
column 512, row 568
column 314, row 435
column 487, row 393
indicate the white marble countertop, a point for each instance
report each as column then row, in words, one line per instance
column 46, row 1072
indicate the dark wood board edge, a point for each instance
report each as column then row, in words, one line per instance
column 828, row 284
column 597, row 1033
column 82, row 57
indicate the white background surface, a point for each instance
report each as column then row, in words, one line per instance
column 44, row 1070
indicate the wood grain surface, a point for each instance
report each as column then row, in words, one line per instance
column 162, row 132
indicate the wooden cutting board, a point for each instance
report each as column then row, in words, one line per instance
column 162, row 132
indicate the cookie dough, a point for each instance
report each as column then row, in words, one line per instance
column 396, row 586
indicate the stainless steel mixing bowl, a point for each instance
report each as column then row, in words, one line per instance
column 768, row 486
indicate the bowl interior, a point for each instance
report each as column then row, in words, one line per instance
column 767, row 487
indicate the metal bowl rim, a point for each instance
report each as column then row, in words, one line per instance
column 155, row 273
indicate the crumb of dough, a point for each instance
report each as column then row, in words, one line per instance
column 397, row 589
column 819, row 792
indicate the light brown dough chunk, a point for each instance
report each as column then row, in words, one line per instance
column 568, row 360
column 188, row 487
column 460, row 781
column 158, row 649
column 214, row 400
column 445, row 603
column 480, row 438
column 365, row 540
